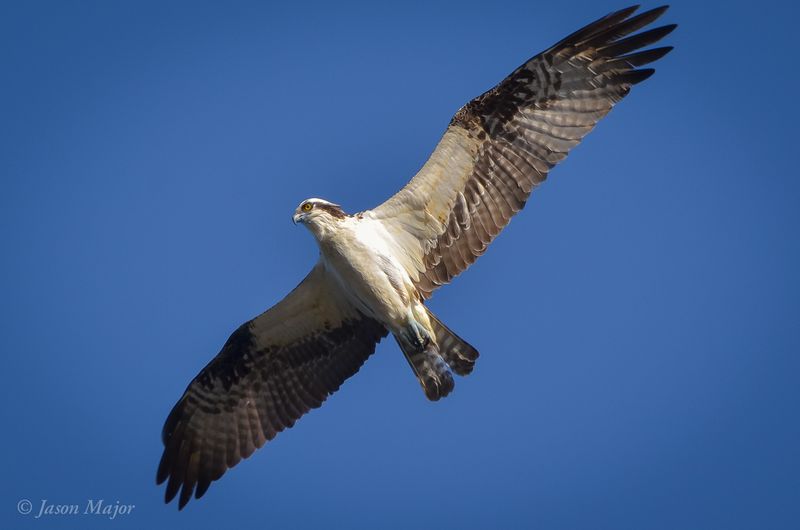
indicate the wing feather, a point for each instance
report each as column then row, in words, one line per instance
column 503, row 144
column 270, row 372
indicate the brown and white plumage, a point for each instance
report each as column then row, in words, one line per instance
column 271, row 371
column 502, row 144
column 377, row 268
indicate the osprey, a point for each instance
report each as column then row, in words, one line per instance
column 377, row 268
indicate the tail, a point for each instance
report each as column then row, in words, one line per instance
column 457, row 352
column 432, row 361
column 428, row 365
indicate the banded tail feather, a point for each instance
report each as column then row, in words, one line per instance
column 456, row 352
column 431, row 370
column 432, row 360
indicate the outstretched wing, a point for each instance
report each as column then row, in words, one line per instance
column 271, row 371
column 503, row 143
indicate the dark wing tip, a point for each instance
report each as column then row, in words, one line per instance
column 614, row 34
column 173, row 486
column 202, row 487
column 623, row 13
column 635, row 42
column 633, row 77
column 646, row 57
column 186, row 494
column 652, row 14
column 185, row 481
column 669, row 28
column 163, row 470
column 598, row 26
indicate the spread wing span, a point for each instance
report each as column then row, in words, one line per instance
column 502, row 144
column 271, row 371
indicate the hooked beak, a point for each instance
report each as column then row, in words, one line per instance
column 298, row 218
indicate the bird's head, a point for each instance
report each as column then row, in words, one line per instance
column 318, row 215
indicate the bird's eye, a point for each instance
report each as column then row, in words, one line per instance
column 307, row 207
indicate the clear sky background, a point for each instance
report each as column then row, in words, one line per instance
column 639, row 322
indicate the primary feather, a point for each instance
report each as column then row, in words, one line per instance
column 502, row 144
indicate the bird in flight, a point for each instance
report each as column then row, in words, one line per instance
column 377, row 268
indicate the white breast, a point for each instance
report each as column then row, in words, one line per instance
column 361, row 257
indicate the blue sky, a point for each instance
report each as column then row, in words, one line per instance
column 638, row 322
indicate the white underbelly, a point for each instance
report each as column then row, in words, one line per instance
column 372, row 279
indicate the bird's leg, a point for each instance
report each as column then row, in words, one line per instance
column 415, row 335
column 419, row 347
